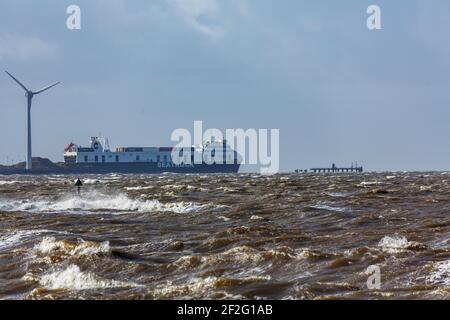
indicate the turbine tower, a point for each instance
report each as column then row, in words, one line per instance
column 30, row 94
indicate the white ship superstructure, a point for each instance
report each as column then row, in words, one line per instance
column 215, row 152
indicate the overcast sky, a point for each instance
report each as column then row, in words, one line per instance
column 137, row 70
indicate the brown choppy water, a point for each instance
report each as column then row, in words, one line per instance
column 225, row 236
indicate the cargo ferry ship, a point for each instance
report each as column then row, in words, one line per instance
column 215, row 156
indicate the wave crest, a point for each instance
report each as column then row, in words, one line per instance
column 440, row 274
column 51, row 246
column 398, row 244
column 72, row 278
column 99, row 202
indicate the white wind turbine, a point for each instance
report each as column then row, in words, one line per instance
column 30, row 94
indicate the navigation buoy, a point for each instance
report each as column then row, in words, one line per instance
column 78, row 184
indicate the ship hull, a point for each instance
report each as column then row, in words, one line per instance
column 122, row 168
column 149, row 168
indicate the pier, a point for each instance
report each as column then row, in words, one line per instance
column 334, row 169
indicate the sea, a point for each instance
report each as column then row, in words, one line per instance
column 234, row 236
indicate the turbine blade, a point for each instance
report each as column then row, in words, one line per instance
column 46, row 88
column 18, row 82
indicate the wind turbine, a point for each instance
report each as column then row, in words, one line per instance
column 30, row 94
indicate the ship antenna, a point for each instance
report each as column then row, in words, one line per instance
column 107, row 144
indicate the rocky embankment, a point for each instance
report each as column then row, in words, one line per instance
column 40, row 166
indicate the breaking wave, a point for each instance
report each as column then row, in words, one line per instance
column 64, row 274
column 369, row 184
column 139, row 188
column 49, row 245
column 12, row 239
column 97, row 202
column 440, row 274
column 398, row 244
column 72, row 278
column 211, row 286
column 242, row 255
column 7, row 183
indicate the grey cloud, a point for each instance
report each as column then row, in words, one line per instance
column 19, row 47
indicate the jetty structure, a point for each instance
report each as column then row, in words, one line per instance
column 335, row 169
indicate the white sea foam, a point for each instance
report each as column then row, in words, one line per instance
column 330, row 208
column 139, row 188
column 50, row 244
column 3, row 183
column 72, row 278
column 226, row 190
column 243, row 255
column 98, row 202
column 180, row 187
column 197, row 287
column 369, row 183
column 91, row 181
column 11, row 239
column 395, row 244
column 440, row 274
